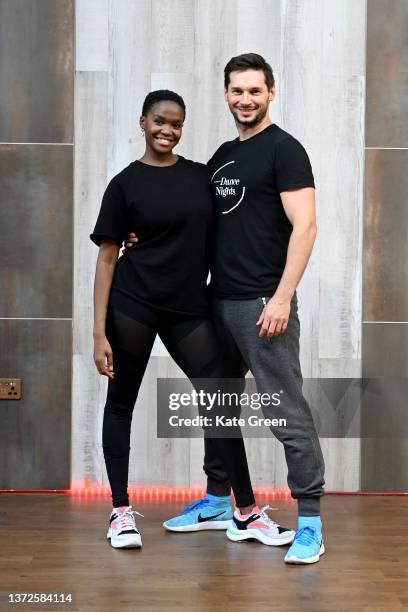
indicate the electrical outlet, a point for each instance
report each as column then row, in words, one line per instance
column 10, row 388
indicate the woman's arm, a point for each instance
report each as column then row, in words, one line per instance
column 105, row 268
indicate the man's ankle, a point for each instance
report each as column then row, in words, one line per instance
column 247, row 509
column 218, row 498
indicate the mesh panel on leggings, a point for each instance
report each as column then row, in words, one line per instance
column 129, row 334
column 197, row 352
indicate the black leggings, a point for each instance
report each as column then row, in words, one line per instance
column 193, row 344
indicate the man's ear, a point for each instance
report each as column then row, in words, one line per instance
column 225, row 93
column 272, row 93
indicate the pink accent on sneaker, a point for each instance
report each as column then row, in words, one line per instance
column 257, row 524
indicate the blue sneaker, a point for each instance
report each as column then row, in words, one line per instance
column 307, row 546
column 211, row 512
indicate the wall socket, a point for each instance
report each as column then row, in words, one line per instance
column 10, row 388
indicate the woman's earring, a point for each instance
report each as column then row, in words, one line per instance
column 142, row 131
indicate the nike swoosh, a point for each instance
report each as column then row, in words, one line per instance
column 201, row 519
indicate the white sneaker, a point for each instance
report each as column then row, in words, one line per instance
column 122, row 530
column 258, row 526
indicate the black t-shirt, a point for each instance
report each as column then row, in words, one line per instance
column 170, row 210
column 252, row 230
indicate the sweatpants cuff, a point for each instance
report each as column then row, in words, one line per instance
column 309, row 506
column 220, row 489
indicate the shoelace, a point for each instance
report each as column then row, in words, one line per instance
column 306, row 535
column 197, row 504
column 266, row 518
column 127, row 519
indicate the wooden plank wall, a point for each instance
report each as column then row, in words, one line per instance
column 384, row 465
column 36, row 224
column 124, row 48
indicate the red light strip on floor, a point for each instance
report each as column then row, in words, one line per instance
column 146, row 491
column 363, row 493
column 152, row 491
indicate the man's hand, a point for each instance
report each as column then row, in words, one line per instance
column 274, row 317
column 130, row 240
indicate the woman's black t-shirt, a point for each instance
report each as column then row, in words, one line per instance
column 170, row 210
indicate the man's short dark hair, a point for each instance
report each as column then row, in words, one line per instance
column 161, row 95
column 248, row 61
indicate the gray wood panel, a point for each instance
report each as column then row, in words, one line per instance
column 36, row 70
column 385, row 261
column 387, row 69
column 90, row 179
column 322, row 104
column 320, row 99
column 88, row 388
column 35, row 431
column 36, row 223
column 92, row 35
column 129, row 75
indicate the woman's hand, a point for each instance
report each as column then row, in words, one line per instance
column 103, row 357
column 130, row 240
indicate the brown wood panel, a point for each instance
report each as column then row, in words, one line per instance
column 36, row 70
column 387, row 69
column 385, row 257
column 35, row 432
column 57, row 543
column 36, row 220
column 384, row 465
column 384, row 457
column 385, row 350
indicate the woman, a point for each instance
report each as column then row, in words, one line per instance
column 157, row 287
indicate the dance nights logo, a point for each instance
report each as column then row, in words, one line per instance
column 227, row 187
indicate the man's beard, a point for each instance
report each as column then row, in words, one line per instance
column 251, row 122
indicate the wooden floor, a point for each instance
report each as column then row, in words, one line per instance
column 56, row 543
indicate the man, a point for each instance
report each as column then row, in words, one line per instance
column 265, row 229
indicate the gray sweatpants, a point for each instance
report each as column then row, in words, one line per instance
column 275, row 365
